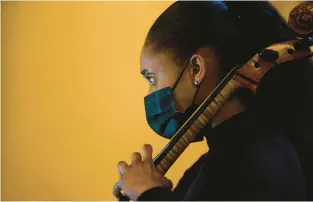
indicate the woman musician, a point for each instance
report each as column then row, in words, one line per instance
column 260, row 145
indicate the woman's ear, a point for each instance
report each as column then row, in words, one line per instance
column 198, row 69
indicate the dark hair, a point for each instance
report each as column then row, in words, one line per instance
column 237, row 30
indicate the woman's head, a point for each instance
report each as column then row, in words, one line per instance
column 192, row 45
column 210, row 37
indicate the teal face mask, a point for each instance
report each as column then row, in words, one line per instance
column 161, row 113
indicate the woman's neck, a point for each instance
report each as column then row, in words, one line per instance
column 230, row 108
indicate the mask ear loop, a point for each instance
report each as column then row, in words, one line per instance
column 181, row 74
column 197, row 91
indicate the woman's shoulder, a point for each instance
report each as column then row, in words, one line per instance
column 273, row 162
column 270, row 143
column 261, row 151
column 266, row 165
column 273, row 155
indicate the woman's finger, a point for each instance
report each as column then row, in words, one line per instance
column 117, row 189
column 122, row 167
column 147, row 153
column 136, row 157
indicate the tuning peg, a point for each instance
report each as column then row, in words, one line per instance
column 303, row 44
column 290, row 51
column 268, row 55
column 256, row 64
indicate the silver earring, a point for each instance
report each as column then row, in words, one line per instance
column 197, row 81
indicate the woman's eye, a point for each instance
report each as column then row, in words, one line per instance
column 151, row 80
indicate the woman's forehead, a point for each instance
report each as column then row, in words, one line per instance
column 153, row 61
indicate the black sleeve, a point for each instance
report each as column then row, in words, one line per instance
column 157, row 194
column 164, row 194
column 188, row 177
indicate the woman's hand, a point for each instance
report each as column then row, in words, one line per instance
column 140, row 176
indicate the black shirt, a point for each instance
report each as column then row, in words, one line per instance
column 240, row 166
column 265, row 153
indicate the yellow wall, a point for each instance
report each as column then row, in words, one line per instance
column 72, row 97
